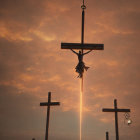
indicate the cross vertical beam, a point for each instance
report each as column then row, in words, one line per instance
column 48, row 116
column 48, row 104
column 116, row 120
column 107, row 135
column 116, row 110
column 83, row 20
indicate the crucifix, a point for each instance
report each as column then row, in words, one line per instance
column 116, row 110
column 107, row 135
column 82, row 46
column 48, row 104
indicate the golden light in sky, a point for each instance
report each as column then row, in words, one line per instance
column 81, row 106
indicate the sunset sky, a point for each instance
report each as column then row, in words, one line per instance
column 32, row 64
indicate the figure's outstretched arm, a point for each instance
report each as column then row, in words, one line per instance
column 87, row 52
column 74, row 51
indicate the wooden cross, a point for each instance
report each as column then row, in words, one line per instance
column 107, row 135
column 82, row 46
column 48, row 104
column 116, row 110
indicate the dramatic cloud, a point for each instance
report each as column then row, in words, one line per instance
column 32, row 64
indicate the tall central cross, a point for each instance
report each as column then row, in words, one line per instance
column 116, row 110
column 48, row 104
column 82, row 46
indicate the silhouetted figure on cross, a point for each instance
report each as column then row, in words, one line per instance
column 82, row 46
column 81, row 65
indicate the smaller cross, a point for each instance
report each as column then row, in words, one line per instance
column 48, row 104
column 107, row 135
column 116, row 110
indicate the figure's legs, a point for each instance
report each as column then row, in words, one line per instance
column 79, row 76
column 80, row 69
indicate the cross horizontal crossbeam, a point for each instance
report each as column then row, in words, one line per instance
column 115, row 110
column 49, row 104
column 84, row 46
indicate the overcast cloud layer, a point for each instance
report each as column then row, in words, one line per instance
column 32, row 64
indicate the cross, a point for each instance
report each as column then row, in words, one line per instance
column 107, row 135
column 82, row 46
column 48, row 104
column 116, row 110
